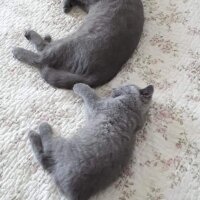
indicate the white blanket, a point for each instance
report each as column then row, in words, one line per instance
column 166, row 162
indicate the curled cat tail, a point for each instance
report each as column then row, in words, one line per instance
column 65, row 80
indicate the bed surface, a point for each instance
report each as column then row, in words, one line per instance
column 166, row 161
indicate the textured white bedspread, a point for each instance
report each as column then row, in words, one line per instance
column 166, row 162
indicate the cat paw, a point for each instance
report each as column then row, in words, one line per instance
column 32, row 135
column 45, row 128
column 35, row 141
column 67, row 6
column 28, row 34
column 47, row 38
column 18, row 53
column 79, row 86
column 67, row 9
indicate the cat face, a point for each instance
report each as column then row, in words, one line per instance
column 141, row 98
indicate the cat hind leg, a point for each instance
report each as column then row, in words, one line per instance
column 46, row 133
column 64, row 79
column 27, row 57
column 37, row 40
column 44, row 157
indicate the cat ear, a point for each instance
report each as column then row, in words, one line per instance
column 147, row 92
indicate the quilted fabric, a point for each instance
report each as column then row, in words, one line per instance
column 166, row 161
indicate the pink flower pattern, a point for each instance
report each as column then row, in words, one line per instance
column 167, row 149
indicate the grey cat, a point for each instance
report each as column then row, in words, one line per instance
column 95, row 53
column 91, row 160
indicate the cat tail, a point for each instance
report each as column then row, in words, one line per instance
column 64, row 79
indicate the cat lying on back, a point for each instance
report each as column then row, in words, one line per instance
column 91, row 160
column 95, row 53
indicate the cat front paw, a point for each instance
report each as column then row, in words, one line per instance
column 115, row 93
column 47, row 38
column 79, row 87
column 33, row 136
column 27, row 34
column 35, row 141
column 18, row 53
column 45, row 128
column 67, row 6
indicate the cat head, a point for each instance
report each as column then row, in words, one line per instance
column 141, row 98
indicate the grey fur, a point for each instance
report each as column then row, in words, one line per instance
column 91, row 160
column 95, row 53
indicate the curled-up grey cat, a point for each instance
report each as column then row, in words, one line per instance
column 91, row 160
column 95, row 53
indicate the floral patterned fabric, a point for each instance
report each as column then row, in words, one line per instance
column 166, row 161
